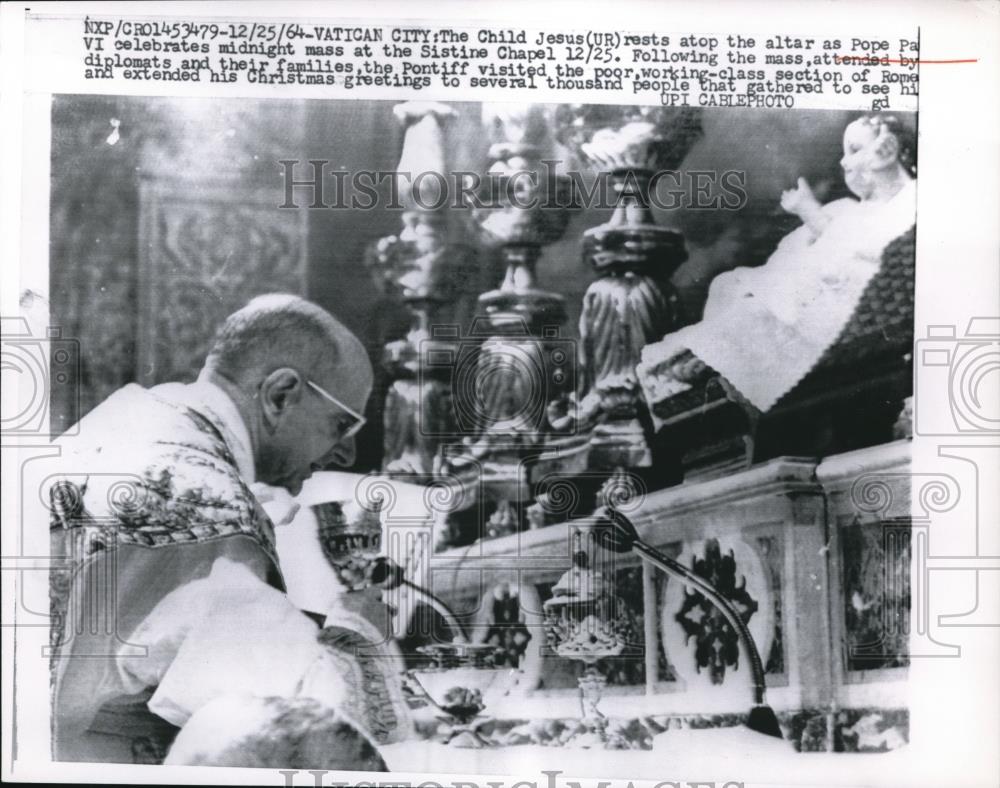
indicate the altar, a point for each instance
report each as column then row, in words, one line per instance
column 789, row 499
column 816, row 552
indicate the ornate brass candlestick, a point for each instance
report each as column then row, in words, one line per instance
column 632, row 302
column 429, row 265
column 522, row 363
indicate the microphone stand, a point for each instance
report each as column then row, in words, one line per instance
column 620, row 536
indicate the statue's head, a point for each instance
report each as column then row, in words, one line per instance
column 877, row 148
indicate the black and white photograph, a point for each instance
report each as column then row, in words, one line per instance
column 551, row 439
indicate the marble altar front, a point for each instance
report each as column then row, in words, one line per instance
column 801, row 544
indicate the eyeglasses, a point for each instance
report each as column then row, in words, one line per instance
column 358, row 422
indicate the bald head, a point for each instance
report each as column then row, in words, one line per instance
column 281, row 330
column 272, row 356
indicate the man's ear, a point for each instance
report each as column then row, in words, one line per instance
column 283, row 388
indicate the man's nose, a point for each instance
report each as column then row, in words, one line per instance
column 343, row 453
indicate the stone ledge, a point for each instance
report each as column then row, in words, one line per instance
column 840, row 470
column 782, row 475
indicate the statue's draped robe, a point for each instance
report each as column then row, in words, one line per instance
column 176, row 597
column 765, row 328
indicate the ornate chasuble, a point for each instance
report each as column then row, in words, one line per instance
column 173, row 595
column 148, row 498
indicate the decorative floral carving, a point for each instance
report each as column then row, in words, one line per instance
column 717, row 642
column 620, row 316
column 506, row 630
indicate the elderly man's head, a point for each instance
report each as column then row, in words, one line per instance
column 300, row 379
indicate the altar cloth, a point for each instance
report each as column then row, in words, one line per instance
column 734, row 754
